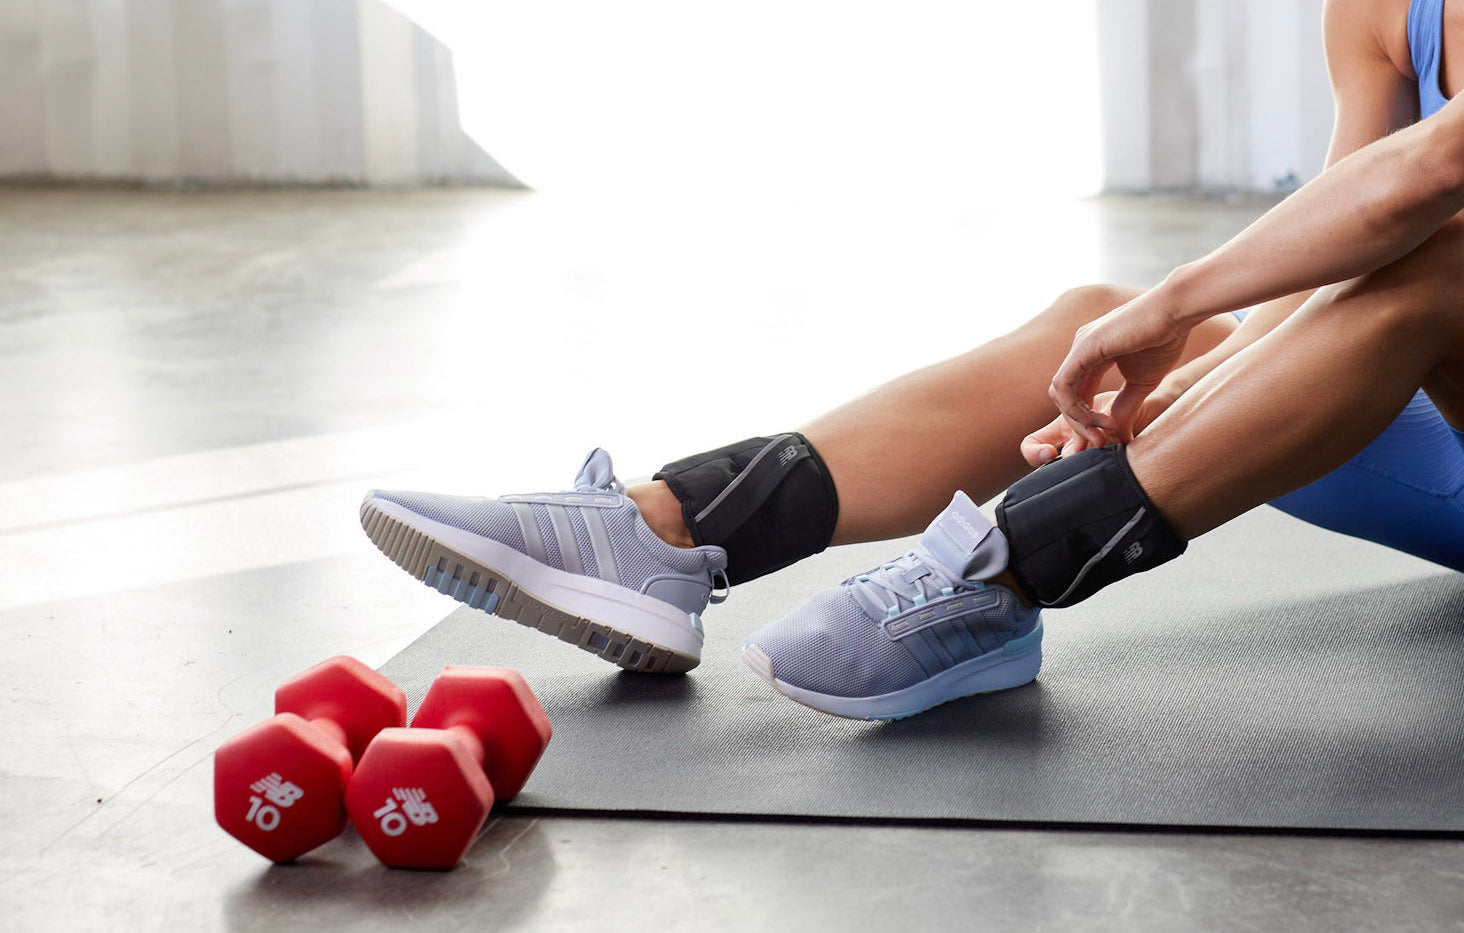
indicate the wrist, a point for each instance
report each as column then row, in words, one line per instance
column 1176, row 295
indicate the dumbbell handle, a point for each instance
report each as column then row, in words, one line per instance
column 331, row 728
column 502, row 726
column 473, row 742
column 345, row 700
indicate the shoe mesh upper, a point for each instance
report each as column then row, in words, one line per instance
column 639, row 553
column 830, row 645
column 487, row 517
column 943, row 615
column 552, row 555
column 582, row 538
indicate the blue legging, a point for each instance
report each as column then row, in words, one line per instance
column 1404, row 490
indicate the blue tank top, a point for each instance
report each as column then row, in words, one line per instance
column 1426, row 44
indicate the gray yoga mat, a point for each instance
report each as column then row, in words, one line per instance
column 1276, row 676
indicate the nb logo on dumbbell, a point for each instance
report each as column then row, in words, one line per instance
column 279, row 792
column 414, row 808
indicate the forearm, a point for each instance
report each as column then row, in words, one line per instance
column 1366, row 211
column 1259, row 322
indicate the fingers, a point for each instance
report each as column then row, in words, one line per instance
column 1054, row 440
column 1072, row 391
column 1075, row 446
column 1044, row 445
column 1126, row 407
column 1038, row 454
column 1097, row 430
column 1039, row 449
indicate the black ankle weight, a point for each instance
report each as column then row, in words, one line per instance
column 768, row 500
column 1080, row 523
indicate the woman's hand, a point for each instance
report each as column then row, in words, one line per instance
column 1144, row 339
column 1058, row 439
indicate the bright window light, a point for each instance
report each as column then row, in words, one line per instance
column 925, row 102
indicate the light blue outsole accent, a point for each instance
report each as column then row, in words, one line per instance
column 476, row 596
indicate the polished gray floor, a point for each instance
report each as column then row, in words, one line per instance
column 198, row 387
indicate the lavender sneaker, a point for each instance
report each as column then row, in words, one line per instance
column 581, row 565
column 911, row 634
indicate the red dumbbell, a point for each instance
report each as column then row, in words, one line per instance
column 280, row 786
column 420, row 795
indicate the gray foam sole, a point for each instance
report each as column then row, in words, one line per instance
column 1276, row 676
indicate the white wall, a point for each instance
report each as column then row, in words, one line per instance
column 165, row 91
column 1219, row 95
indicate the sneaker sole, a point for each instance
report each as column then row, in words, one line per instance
column 470, row 579
column 1014, row 664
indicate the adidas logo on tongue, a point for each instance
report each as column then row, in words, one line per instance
column 965, row 523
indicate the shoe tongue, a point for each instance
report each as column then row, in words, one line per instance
column 966, row 541
column 597, row 472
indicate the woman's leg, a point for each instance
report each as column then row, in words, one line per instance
column 1309, row 396
column 898, row 453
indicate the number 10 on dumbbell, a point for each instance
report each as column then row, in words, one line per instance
column 414, row 811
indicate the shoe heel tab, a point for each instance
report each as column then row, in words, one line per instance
column 715, row 556
column 714, row 597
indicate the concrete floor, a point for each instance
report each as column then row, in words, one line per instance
column 198, row 389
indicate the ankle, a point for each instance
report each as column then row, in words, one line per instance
column 1006, row 579
column 662, row 512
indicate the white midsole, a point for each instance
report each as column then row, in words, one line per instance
column 635, row 614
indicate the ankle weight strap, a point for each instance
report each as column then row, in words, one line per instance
column 1080, row 523
column 768, row 500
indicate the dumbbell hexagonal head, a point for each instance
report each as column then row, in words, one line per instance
column 279, row 786
column 420, row 795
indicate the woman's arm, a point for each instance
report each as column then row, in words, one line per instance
column 1375, row 95
column 1370, row 209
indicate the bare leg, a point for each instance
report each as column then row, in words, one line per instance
column 899, row 452
column 1310, row 395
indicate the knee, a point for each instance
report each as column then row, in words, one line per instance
column 1077, row 306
